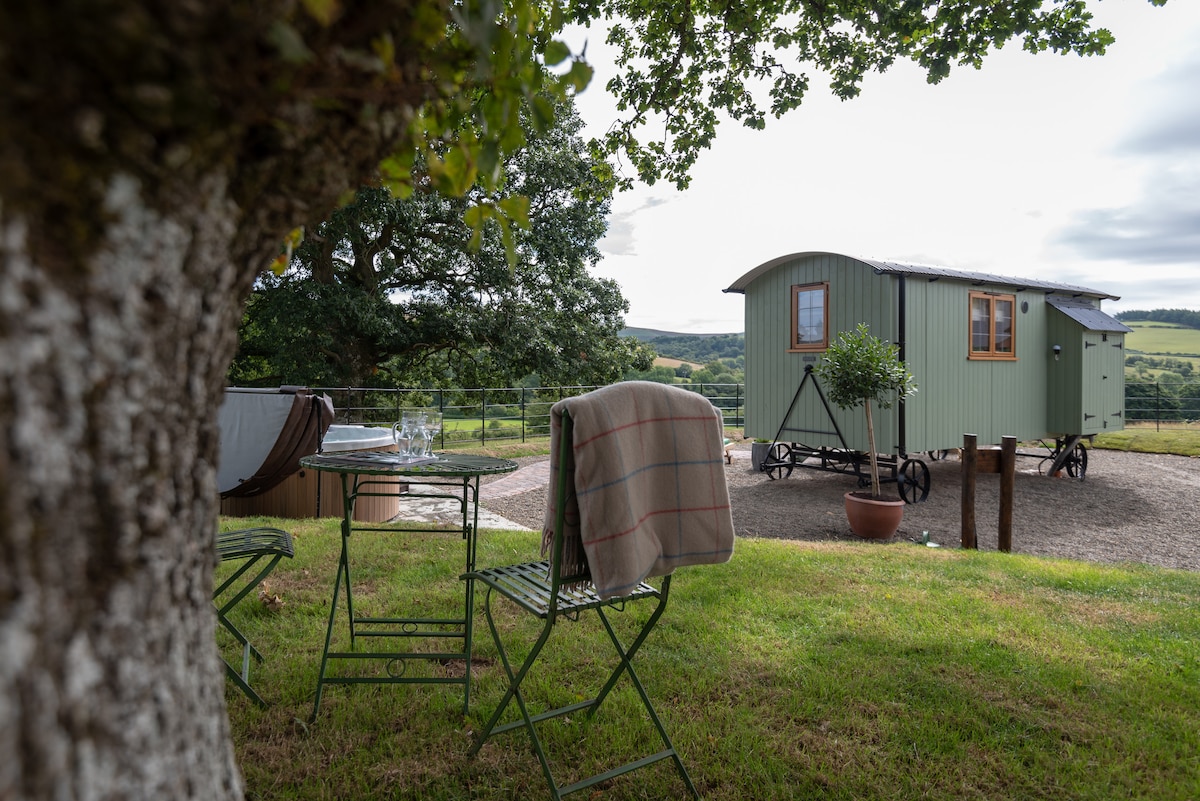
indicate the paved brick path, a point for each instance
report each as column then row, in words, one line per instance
column 440, row 510
column 531, row 476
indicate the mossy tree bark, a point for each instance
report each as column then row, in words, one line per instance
column 108, row 385
column 151, row 161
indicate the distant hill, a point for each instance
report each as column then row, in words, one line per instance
column 650, row 334
column 1162, row 340
column 693, row 348
column 1183, row 317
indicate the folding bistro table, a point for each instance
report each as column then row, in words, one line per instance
column 451, row 476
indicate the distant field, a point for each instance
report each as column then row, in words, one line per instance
column 651, row 334
column 1164, row 340
column 474, row 424
column 663, row 361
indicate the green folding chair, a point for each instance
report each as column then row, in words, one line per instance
column 259, row 550
column 541, row 589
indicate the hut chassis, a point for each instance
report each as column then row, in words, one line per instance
column 909, row 473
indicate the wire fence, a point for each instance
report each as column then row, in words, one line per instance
column 517, row 414
column 1174, row 404
column 492, row 414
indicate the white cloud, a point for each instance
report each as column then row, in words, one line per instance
column 621, row 236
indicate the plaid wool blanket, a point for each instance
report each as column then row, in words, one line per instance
column 648, row 481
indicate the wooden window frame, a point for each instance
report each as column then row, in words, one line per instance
column 794, row 345
column 991, row 354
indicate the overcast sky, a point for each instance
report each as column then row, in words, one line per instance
column 1085, row 171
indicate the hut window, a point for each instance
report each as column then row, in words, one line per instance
column 993, row 326
column 810, row 317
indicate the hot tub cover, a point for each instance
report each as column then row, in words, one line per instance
column 264, row 434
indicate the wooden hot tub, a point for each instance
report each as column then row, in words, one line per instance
column 308, row 493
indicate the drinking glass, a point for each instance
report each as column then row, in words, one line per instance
column 433, row 424
column 418, row 443
column 403, row 432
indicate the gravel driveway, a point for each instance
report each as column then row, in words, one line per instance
column 1132, row 507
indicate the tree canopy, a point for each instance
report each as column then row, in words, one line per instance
column 682, row 65
column 392, row 292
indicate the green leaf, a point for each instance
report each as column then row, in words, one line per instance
column 543, row 113
column 516, row 208
column 385, row 48
column 396, row 174
column 323, row 11
column 556, row 53
column 579, row 76
column 289, row 43
column 459, row 170
column 475, row 217
column 491, row 165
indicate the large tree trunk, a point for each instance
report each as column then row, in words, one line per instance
column 152, row 158
column 109, row 380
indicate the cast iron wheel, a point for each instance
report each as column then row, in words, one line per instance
column 779, row 460
column 913, row 481
column 938, row 455
column 1077, row 462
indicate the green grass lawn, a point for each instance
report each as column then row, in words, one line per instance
column 473, row 424
column 1144, row 438
column 834, row 671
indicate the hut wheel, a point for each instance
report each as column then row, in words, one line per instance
column 913, row 481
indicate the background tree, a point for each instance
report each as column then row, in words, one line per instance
column 1151, row 400
column 392, row 292
column 698, row 348
column 152, row 158
column 1184, row 317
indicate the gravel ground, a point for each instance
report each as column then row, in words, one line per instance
column 1132, row 507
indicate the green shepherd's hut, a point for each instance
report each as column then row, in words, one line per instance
column 993, row 356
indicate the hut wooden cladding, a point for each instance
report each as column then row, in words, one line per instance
column 992, row 355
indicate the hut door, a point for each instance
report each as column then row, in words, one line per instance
column 1103, row 382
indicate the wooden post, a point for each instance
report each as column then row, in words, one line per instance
column 969, row 458
column 1008, row 473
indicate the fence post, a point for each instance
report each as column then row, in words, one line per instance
column 442, row 411
column 1008, row 472
column 483, row 417
column 522, row 414
column 1157, row 408
column 969, row 468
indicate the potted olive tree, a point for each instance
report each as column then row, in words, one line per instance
column 861, row 369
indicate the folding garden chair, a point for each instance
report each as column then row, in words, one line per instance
column 260, row 550
column 636, row 421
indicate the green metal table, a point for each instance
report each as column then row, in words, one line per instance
column 452, row 476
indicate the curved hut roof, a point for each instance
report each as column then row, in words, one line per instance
column 928, row 272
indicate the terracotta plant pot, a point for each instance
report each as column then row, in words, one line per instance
column 873, row 518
